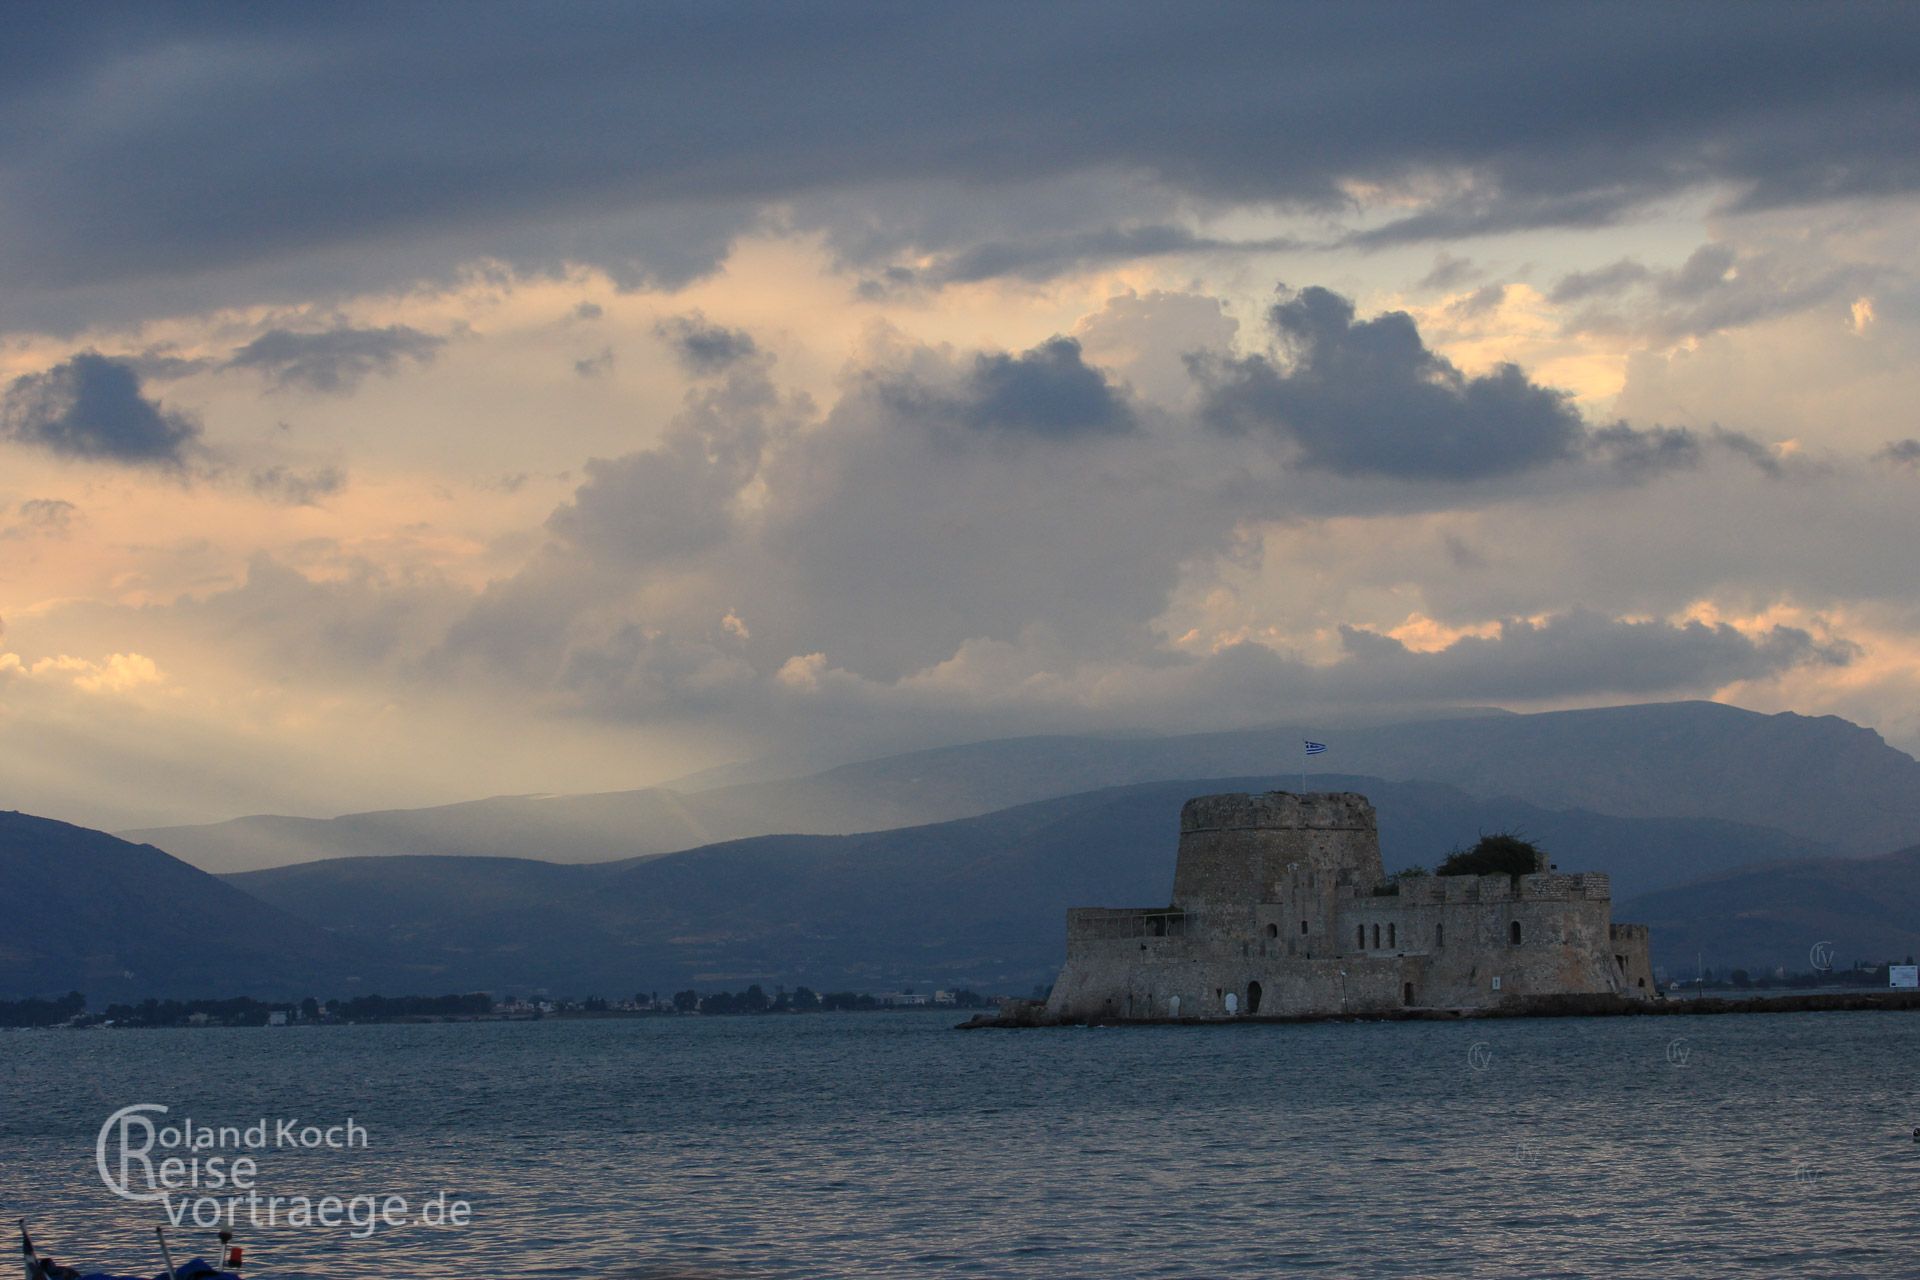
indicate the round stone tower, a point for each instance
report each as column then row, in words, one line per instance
column 1239, row 850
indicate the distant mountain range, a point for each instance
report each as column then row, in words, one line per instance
column 1767, row 916
column 89, row 912
column 1821, row 779
column 977, row 902
column 1728, row 832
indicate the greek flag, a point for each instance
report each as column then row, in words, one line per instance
column 1315, row 748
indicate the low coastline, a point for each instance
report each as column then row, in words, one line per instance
column 1027, row 1014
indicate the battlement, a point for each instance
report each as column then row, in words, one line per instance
column 1088, row 924
column 1544, row 886
column 1278, row 811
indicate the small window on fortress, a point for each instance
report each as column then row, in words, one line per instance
column 1392, row 935
column 1273, row 931
column 1303, row 926
column 1513, row 933
column 1376, row 935
column 1360, row 937
column 1439, row 935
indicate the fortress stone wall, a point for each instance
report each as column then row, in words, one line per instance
column 1281, row 906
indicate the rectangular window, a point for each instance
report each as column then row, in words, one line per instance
column 1439, row 935
column 1360, row 937
column 1393, row 935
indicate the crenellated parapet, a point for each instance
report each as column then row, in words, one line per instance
column 1279, row 811
column 1545, row 886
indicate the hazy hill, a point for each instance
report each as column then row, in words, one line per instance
column 1761, row 917
column 91, row 912
column 1819, row 778
column 974, row 902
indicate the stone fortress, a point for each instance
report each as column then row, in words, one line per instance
column 1281, row 907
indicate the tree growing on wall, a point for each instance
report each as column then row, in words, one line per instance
column 1500, row 854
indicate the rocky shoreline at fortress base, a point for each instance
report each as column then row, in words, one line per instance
column 1025, row 1014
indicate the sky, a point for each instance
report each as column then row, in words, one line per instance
column 406, row 404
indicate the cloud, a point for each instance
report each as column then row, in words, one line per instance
column 1718, row 286
column 1581, row 653
column 1368, row 397
column 1579, row 285
column 1041, row 258
column 677, row 499
column 991, row 687
column 1900, row 453
column 1643, row 453
column 705, row 348
column 594, row 366
column 90, row 407
column 1048, row 392
column 334, row 361
column 41, row 518
column 118, row 673
column 645, row 145
column 295, row 487
column 1448, row 272
column 1482, row 301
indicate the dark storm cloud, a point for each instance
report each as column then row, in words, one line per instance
column 336, row 360
column 91, row 407
column 1575, row 653
column 1049, row 392
column 703, row 347
column 178, row 143
column 1642, row 453
column 1368, row 396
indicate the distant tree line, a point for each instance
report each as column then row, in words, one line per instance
column 1863, row 974
column 36, row 1012
column 799, row 1000
column 244, row 1011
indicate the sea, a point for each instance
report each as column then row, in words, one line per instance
column 889, row 1144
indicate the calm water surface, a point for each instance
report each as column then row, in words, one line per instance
column 889, row 1145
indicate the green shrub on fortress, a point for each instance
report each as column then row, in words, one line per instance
column 1494, row 855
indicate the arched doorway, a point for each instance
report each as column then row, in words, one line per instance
column 1253, row 997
